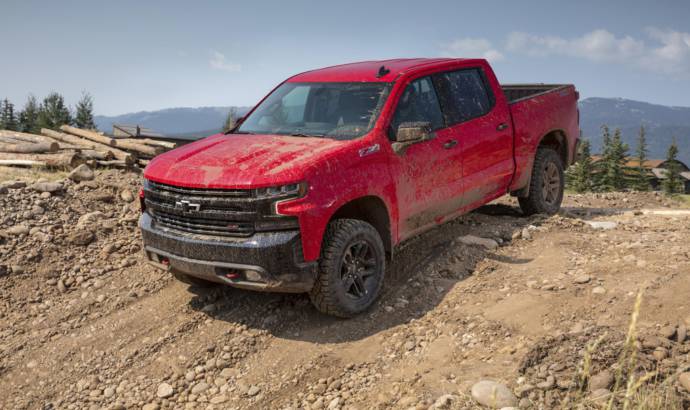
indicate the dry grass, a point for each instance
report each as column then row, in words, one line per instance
column 30, row 173
column 630, row 391
column 684, row 200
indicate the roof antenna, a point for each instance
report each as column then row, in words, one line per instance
column 382, row 71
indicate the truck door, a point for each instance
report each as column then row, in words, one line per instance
column 428, row 171
column 480, row 121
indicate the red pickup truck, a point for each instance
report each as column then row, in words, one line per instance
column 317, row 184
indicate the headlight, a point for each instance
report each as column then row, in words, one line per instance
column 283, row 191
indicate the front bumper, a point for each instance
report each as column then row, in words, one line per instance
column 270, row 261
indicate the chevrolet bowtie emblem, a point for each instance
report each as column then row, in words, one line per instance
column 187, row 206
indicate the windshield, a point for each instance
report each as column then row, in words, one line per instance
column 333, row 110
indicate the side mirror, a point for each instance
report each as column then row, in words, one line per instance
column 409, row 132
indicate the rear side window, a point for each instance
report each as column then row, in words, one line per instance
column 418, row 104
column 464, row 95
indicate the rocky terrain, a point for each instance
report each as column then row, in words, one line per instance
column 492, row 310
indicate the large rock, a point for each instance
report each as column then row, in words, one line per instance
column 126, row 195
column 81, row 173
column 90, row 218
column 582, row 279
column 600, row 395
column 603, row 225
column 82, row 238
column 681, row 333
column 164, row 390
column 601, row 380
column 47, row 187
column 200, row 388
column 684, row 380
column 13, row 184
column 16, row 230
column 492, row 394
column 475, row 240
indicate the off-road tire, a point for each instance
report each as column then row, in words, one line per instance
column 192, row 280
column 329, row 294
column 537, row 202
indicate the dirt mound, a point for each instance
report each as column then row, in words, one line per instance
column 84, row 323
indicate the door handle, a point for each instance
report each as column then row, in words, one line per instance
column 502, row 126
column 450, row 144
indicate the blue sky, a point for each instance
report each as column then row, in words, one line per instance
column 147, row 55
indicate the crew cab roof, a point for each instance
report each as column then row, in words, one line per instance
column 368, row 71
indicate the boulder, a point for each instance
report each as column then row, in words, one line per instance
column 492, row 394
column 475, row 240
column 81, row 173
column 47, row 187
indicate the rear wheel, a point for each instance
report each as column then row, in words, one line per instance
column 351, row 268
column 546, row 187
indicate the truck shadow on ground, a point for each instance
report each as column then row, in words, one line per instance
column 424, row 269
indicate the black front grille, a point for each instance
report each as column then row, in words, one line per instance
column 202, row 211
column 204, row 226
column 217, row 212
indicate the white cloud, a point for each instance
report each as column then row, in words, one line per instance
column 668, row 52
column 218, row 62
column 472, row 47
column 673, row 51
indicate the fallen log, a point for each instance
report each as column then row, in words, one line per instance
column 61, row 160
column 90, row 135
column 149, row 141
column 140, row 148
column 131, row 146
column 98, row 155
column 29, row 147
column 20, row 163
column 26, row 137
column 10, row 140
column 114, row 163
column 97, row 146
column 22, row 140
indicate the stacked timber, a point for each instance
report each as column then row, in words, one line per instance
column 71, row 147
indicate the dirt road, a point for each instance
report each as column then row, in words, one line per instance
column 84, row 323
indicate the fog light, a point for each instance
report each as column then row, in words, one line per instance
column 252, row 275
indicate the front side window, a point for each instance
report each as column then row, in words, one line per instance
column 418, row 103
column 330, row 110
column 463, row 95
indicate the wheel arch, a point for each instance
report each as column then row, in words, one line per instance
column 558, row 141
column 371, row 209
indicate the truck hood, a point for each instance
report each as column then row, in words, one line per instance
column 240, row 161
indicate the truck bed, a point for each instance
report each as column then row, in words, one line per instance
column 519, row 92
column 537, row 110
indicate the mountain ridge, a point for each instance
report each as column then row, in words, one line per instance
column 662, row 122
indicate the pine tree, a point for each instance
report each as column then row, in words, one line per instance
column 8, row 120
column 613, row 162
column 84, row 116
column 600, row 181
column 28, row 118
column 672, row 183
column 54, row 112
column 641, row 180
column 230, row 120
column 580, row 174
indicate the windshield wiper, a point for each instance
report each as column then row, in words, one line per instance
column 300, row 134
